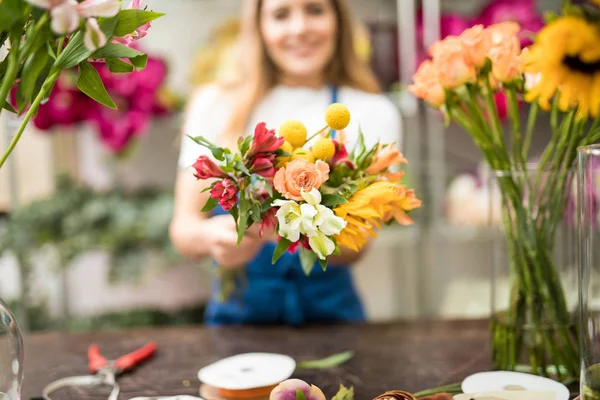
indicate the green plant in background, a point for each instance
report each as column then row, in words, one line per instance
column 44, row 37
column 131, row 226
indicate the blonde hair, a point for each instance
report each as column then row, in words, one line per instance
column 257, row 73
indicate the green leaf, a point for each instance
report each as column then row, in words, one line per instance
column 210, row 205
column 337, row 251
column 267, row 204
column 244, row 207
column 323, row 264
column 89, row 82
column 332, row 200
column 240, row 166
column 217, row 152
column 307, row 259
column 359, row 148
column 206, row 189
column 8, row 107
column 235, row 214
column 116, row 51
column 33, row 67
column 244, row 145
column 73, row 54
column 130, row 20
column 332, row 361
column 255, row 213
column 344, row 393
column 117, row 66
column 300, row 395
column 108, row 25
column 11, row 12
column 281, row 248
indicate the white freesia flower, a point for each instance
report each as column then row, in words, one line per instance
column 321, row 245
column 94, row 38
column 289, row 217
column 328, row 222
column 313, row 197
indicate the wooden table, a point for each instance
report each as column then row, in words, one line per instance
column 404, row 355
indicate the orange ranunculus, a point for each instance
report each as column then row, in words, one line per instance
column 386, row 156
column 476, row 42
column 300, row 175
column 503, row 31
column 453, row 66
column 426, row 86
column 506, row 60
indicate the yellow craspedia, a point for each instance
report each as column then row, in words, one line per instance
column 294, row 132
column 337, row 116
column 323, row 149
column 305, row 154
column 283, row 160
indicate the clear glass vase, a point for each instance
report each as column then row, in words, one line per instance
column 588, row 186
column 534, row 273
column 11, row 355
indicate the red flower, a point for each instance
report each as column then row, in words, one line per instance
column 340, row 153
column 206, row 168
column 226, row 192
column 269, row 220
column 262, row 164
column 303, row 241
column 265, row 140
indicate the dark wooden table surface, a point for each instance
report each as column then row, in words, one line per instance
column 407, row 355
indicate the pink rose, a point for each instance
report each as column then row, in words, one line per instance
column 286, row 390
column 476, row 42
column 262, row 164
column 226, row 192
column 506, row 61
column 300, row 175
column 206, row 168
column 451, row 63
column 265, row 140
column 426, row 86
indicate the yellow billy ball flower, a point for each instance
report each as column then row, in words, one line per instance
column 337, row 116
column 323, row 149
column 294, row 133
column 303, row 153
column 286, row 147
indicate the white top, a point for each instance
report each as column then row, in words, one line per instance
column 208, row 113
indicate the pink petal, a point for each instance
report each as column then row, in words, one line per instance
column 65, row 18
column 99, row 8
column 94, row 38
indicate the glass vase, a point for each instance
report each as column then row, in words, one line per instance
column 11, row 355
column 534, row 272
column 588, row 186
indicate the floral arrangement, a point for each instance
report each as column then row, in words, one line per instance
column 42, row 38
column 141, row 95
column 558, row 74
column 319, row 198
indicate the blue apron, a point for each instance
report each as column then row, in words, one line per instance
column 281, row 293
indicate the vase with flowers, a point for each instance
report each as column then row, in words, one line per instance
column 559, row 75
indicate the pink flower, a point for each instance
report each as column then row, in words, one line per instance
column 303, row 241
column 269, row 219
column 226, row 192
column 300, row 175
column 140, row 32
column 262, row 164
column 426, row 85
column 524, row 12
column 286, row 390
column 206, row 168
column 452, row 65
column 265, row 140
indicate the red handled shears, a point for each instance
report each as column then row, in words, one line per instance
column 103, row 371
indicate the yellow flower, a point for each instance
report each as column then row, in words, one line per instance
column 283, row 160
column 337, row 116
column 379, row 202
column 323, row 149
column 303, row 153
column 294, row 132
column 566, row 56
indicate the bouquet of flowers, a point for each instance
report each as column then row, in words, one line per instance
column 319, row 198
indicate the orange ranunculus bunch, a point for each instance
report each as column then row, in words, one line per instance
column 318, row 195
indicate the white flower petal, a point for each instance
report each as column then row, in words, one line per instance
column 313, row 197
column 321, row 245
column 99, row 8
column 94, row 38
column 65, row 18
column 332, row 225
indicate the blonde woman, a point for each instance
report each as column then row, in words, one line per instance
column 295, row 58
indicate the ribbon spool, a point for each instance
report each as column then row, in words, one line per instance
column 249, row 376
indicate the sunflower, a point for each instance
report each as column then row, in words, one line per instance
column 379, row 202
column 566, row 57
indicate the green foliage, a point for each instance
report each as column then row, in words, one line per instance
column 344, row 393
column 128, row 225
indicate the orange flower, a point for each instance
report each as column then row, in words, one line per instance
column 426, row 85
column 476, row 42
column 300, row 175
column 506, row 60
column 453, row 66
column 386, row 156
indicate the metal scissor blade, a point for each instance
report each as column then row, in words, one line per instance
column 73, row 381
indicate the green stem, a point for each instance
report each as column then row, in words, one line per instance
column 32, row 110
column 11, row 71
column 513, row 111
column 492, row 110
column 316, row 134
column 531, row 120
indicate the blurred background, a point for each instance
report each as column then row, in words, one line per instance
column 85, row 201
